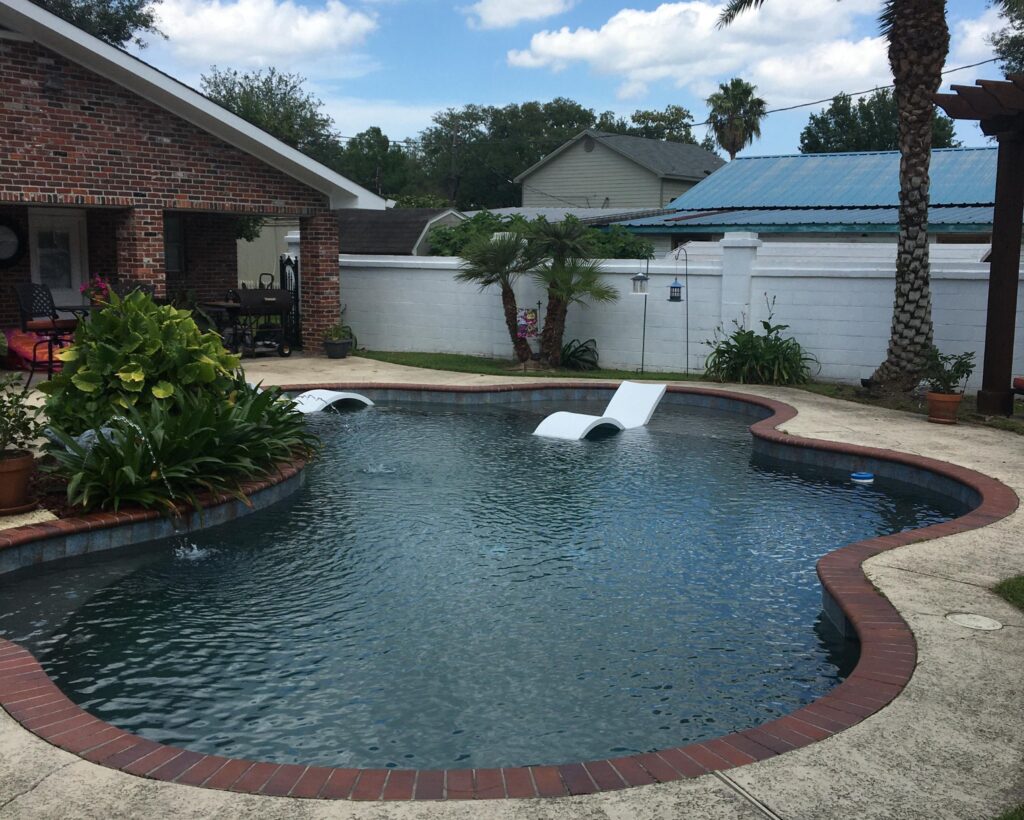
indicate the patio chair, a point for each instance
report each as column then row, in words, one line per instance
column 122, row 289
column 632, row 406
column 39, row 316
column 314, row 401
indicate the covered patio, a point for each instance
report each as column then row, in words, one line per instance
column 112, row 168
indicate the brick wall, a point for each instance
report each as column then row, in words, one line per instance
column 211, row 256
column 318, row 251
column 69, row 137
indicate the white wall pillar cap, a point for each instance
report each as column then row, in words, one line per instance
column 740, row 239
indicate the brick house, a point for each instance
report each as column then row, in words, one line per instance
column 108, row 166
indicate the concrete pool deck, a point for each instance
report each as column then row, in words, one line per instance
column 951, row 745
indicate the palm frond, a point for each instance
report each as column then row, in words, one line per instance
column 734, row 8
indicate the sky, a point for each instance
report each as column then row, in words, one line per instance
column 395, row 63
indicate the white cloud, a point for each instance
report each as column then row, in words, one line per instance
column 396, row 119
column 260, row 32
column 680, row 43
column 970, row 38
column 504, row 14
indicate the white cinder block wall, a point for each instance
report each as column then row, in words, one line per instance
column 836, row 297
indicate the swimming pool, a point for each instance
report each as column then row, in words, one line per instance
column 448, row 591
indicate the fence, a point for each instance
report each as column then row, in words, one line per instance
column 836, row 298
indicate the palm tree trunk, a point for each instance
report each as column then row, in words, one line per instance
column 546, row 344
column 918, row 44
column 508, row 304
column 557, row 333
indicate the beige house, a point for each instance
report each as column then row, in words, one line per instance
column 599, row 170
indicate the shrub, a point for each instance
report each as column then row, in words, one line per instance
column 19, row 420
column 749, row 358
column 946, row 373
column 164, row 454
column 135, row 354
column 577, row 355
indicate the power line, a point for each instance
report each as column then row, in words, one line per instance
column 410, row 141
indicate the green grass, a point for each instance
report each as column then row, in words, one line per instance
column 1012, row 589
column 460, row 363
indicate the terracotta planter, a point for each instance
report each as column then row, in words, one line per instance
column 942, row 407
column 15, row 471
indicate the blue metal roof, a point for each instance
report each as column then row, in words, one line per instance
column 959, row 176
column 867, row 220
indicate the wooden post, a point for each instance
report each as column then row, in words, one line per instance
column 995, row 396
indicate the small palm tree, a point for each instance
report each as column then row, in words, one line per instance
column 557, row 242
column 500, row 260
column 569, row 281
column 735, row 115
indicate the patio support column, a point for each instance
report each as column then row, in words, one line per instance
column 140, row 247
column 318, row 276
column 1004, row 275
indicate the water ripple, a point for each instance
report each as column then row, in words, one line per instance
column 450, row 591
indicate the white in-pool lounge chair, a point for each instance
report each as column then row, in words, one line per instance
column 632, row 406
column 313, row 401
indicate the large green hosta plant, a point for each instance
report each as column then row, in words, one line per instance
column 132, row 354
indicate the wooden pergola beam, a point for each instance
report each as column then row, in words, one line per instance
column 999, row 107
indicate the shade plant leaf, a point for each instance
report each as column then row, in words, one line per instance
column 126, row 355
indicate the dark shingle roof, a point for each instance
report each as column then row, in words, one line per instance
column 665, row 159
column 392, row 232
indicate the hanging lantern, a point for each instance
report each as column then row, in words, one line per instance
column 675, row 291
column 640, row 284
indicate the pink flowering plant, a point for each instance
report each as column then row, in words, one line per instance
column 96, row 289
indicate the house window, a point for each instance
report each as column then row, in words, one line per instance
column 174, row 244
column 57, row 249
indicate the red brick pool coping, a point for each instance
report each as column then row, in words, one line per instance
column 887, row 660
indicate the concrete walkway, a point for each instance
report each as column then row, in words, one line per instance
column 950, row 746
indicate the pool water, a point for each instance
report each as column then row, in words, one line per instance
column 449, row 591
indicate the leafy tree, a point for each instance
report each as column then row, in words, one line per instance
column 118, row 22
column 918, row 39
column 279, row 105
column 378, row 164
column 870, row 124
column 1008, row 42
column 674, row 124
column 569, row 273
column 736, row 113
column 616, row 242
column 420, row 201
column 613, row 243
column 452, row 240
column 500, row 260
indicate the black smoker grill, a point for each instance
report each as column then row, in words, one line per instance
column 260, row 323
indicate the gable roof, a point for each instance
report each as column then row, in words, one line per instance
column 395, row 232
column 677, row 160
column 27, row 19
column 959, row 176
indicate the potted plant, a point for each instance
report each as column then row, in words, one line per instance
column 19, row 427
column 96, row 290
column 338, row 341
column 947, row 377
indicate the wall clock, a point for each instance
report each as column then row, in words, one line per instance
column 12, row 242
